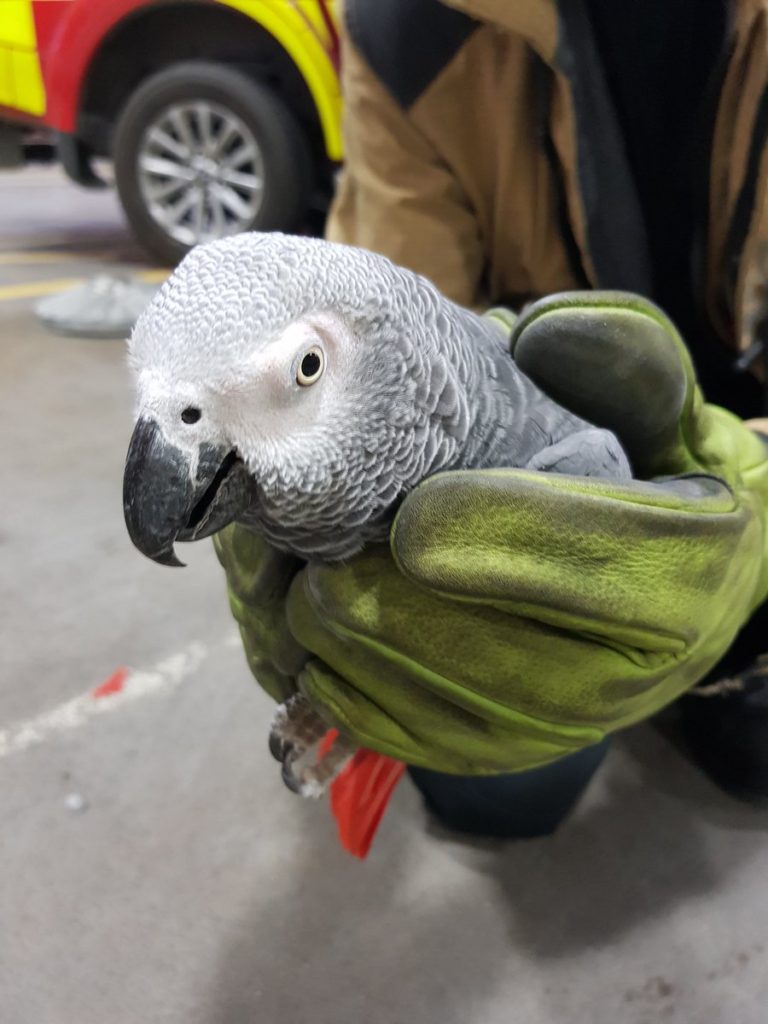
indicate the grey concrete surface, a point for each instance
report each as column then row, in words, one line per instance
column 191, row 888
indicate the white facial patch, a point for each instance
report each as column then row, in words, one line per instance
column 184, row 412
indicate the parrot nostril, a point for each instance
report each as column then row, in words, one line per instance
column 191, row 414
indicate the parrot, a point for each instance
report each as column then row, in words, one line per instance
column 302, row 388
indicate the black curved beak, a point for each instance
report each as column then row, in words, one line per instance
column 163, row 502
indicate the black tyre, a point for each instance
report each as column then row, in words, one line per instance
column 202, row 151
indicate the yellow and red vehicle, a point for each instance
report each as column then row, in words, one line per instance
column 219, row 115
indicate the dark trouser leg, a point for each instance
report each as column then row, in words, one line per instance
column 726, row 731
column 518, row 806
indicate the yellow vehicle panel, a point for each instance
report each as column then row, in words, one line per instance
column 300, row 29
column 299, row 26
column 21, row 81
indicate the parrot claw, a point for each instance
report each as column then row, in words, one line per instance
column 296, row 727
column 296, row 731
column 279, row 748
column 313, row 780
column 289, row 778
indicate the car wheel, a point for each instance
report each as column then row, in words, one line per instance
column 202, row 151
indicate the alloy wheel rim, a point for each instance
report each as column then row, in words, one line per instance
column 201, row 172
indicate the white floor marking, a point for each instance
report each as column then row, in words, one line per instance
column 163, row 677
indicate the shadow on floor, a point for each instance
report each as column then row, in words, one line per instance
column 633, row 852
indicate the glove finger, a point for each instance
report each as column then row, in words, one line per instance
column 277, row 685
column 643, row 564
column 258, row 579
column 617, row 360
column 255, row 571
column 267, row 638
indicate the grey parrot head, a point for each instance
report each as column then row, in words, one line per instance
column 284, row 382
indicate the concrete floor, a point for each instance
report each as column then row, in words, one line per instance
column 191, row 887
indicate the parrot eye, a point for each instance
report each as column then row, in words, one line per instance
column 311, row 366
column 190, row 414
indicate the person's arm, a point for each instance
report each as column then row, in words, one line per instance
column 396, row 195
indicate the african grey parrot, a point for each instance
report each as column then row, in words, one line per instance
column 302, row 389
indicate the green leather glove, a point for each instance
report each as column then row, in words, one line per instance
column 520, row 616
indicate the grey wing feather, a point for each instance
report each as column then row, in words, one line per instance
column 591, row 452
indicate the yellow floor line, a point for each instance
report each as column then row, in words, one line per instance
column 35, row 289
column 25, row 257
column 154, row 276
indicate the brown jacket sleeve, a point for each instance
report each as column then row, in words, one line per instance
column 396, row 196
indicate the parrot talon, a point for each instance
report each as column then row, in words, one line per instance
column 290, row 779
column 297, row 725
column 279, row 748
column 308, row 783
column 313, row 778
column 295, row 739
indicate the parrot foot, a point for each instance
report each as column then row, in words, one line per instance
column 296, row 727
column 296, row 732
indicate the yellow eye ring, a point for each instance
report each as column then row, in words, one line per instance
column 311, row 366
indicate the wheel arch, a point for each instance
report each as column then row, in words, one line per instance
column 155, row 37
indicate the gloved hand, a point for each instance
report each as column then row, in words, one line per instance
column 520, row 616
column 258, row 579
